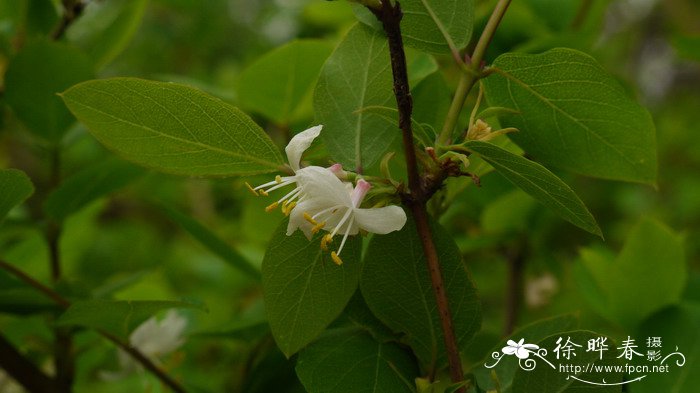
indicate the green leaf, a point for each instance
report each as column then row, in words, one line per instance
column 649, row 273
column 545, row 379
column 355, row 76
column 573, row 115
column 431, row 101
column 16, row 297
column 105, row 28
column 430, row 24
column 275, row 84
column 678, row 327
column 213, row 242
column 390, row 115
column 16, row 187
column 34, row 77
column 539, row 183
column 117, row 317
column 532, row 333
column 396, row 285
column 172, row 128
column 89, row 184
column 304, row 290
column 350, row 360
column 508, row 213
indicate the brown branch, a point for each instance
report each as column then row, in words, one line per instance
column 390, row 17
column 22, row 370
column 72, row 9
column 64, row 303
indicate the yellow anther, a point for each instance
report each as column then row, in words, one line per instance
column 318, row 227
column 336, row 259
column 251, row 189
column 325, row 241
column 278, row 179
column 287, row 207
column 271, row 207
column 263, row 192
column 310, row 219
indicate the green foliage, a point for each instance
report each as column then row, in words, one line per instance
column 351, row 360
column 545, row 379
column 89, row 184
column 631, row 286
column 275, row 84
column 304, row 290
column 38, row 72
column 106, row 29
column 356, row 76
column 396, row 285
column 214, row 243
column 16, row 187
column 116, row 317
column 172, row 128
column 539, row 183
column 573, row 115
column 678, row 328
column 431, row 24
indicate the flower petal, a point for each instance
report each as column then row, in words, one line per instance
column 321, row 184
column 522, row 353
column 381, row 220
column 299, row 143
column 509, row 350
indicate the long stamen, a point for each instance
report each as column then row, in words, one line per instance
column 342, row 221
column 271, row 207
column 318, row 227
column 284, row 183
column 317, row 215
column 287, row 207
column 294, row 193
column 310, row 219
column 325, row 241
column 345, row 236
column 265, row 185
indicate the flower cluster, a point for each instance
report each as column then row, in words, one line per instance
column 321, row 200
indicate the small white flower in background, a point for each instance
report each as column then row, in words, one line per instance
column 519, row 349
column 155, row 339
column 333, row 205
column 539, row 291
column 294, row 150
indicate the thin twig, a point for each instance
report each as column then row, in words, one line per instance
column 22, row 370
column 72, row 9
column 516, row 265
column 64, row 303
column 390, row 17
column 473, row 72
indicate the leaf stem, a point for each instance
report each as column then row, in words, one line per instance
column 22, row 370
column 472, row 73
column 64, row 303
column 390, row 17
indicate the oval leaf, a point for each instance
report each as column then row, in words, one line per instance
column 434, row 25
column 396, row 285
column 350, row 361
column 304, row 290
column 16, row 187
column 573, row 115
column 34, row 77
column 172, row 128
column 275, row 84
column 540, row 183
column 354, row 138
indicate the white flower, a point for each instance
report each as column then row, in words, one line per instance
column 155, row 338
column 333, row 205
column 521, row 350
column 295, row 148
